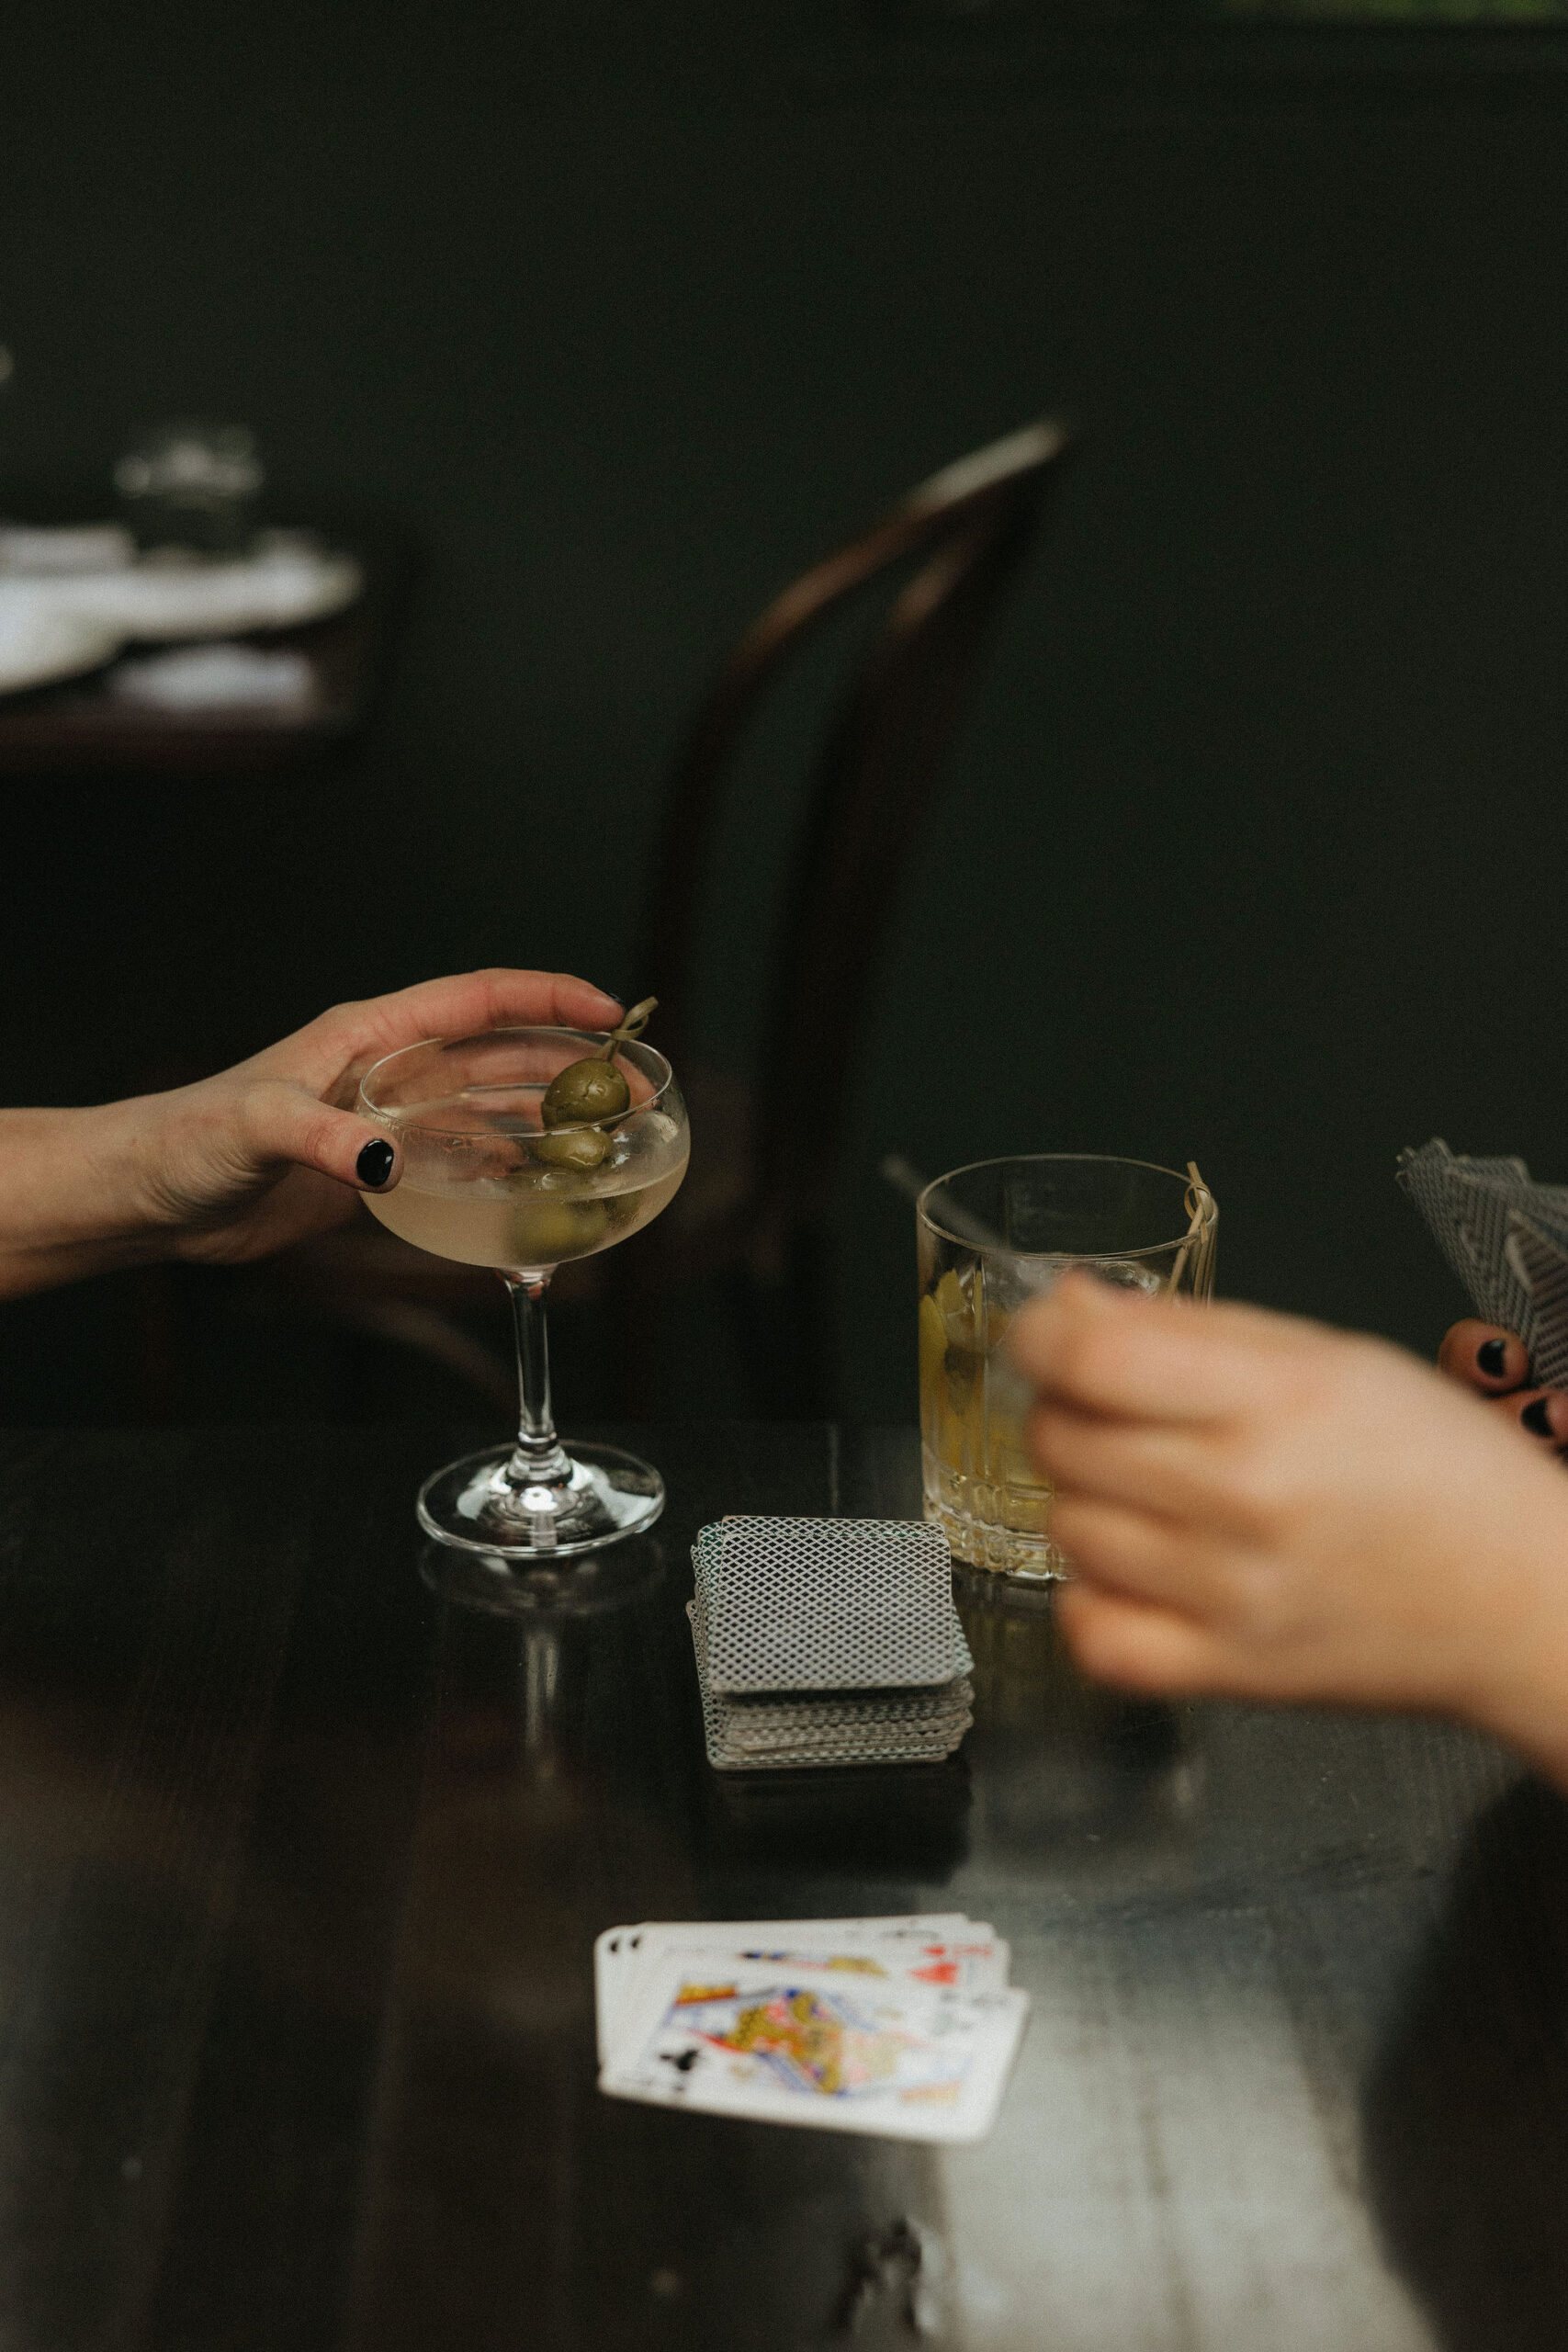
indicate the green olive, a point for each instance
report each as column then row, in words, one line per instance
column 545, row 1231
column 581, row 1148
column 584, row 1092
column 589, row 1091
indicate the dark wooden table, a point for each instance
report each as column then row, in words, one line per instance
column 301, row 1867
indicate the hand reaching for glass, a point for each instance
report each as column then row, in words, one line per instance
column 1265, row 1508
column 261, row 1155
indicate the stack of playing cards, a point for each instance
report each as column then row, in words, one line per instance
column 827, row 1641
column 905, row 2027
column 1506, row 1239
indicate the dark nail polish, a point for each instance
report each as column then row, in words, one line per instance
column 1492, row 1356
column 374, row 1164
column 1537, row 1418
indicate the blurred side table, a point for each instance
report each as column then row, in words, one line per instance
column 86, row 726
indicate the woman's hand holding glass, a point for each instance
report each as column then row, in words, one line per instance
column 1265, row 1508
column 521, row 1147
column 263, row 1155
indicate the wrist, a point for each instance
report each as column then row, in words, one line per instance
column 72, row 1196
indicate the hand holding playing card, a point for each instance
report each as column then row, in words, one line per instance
column 1505, row 1237
column 1496, row 1364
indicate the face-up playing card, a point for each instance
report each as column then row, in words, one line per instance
column 779, row 2041
column 931, row 1948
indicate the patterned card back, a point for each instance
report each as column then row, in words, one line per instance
column 828, row 1604
column 759, row 1735
column 826, row 1642
column 775, row 1718
column 1506, row 1239
column 1542, row 1270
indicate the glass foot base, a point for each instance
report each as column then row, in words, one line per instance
column 472, row 1505
column 1011, row 1553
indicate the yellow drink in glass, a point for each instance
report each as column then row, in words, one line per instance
column 990, row 1237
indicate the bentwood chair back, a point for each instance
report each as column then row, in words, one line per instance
column 758, row 1204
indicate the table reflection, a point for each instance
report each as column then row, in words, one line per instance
column 1057, row 1764
column 564, row 1789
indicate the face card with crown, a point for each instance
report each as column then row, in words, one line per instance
column 781, row 2042
column 932, row 1948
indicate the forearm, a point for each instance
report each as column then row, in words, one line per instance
column 72, row 1198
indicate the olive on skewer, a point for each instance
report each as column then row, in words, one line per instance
column 586, row 1096
column 579, row 1147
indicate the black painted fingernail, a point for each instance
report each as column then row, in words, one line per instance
column 1492, row 1356
column 1537, row 1418
column 374, row 1164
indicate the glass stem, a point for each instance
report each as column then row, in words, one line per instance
column 538, row 1459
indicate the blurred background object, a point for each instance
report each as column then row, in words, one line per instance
column 73, row 595
column 72, row 599
column 1249, row 850
column 192, row 486
column 63, row 550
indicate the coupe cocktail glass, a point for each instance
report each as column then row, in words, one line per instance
column 484, row 1181
column 990, row 1237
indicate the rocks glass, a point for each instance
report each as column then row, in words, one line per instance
column 990, row 1237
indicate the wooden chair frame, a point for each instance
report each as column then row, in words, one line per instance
column 965, row 532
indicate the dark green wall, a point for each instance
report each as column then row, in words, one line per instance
column 1255, row 850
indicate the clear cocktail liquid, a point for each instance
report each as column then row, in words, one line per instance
column 525, row 1217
